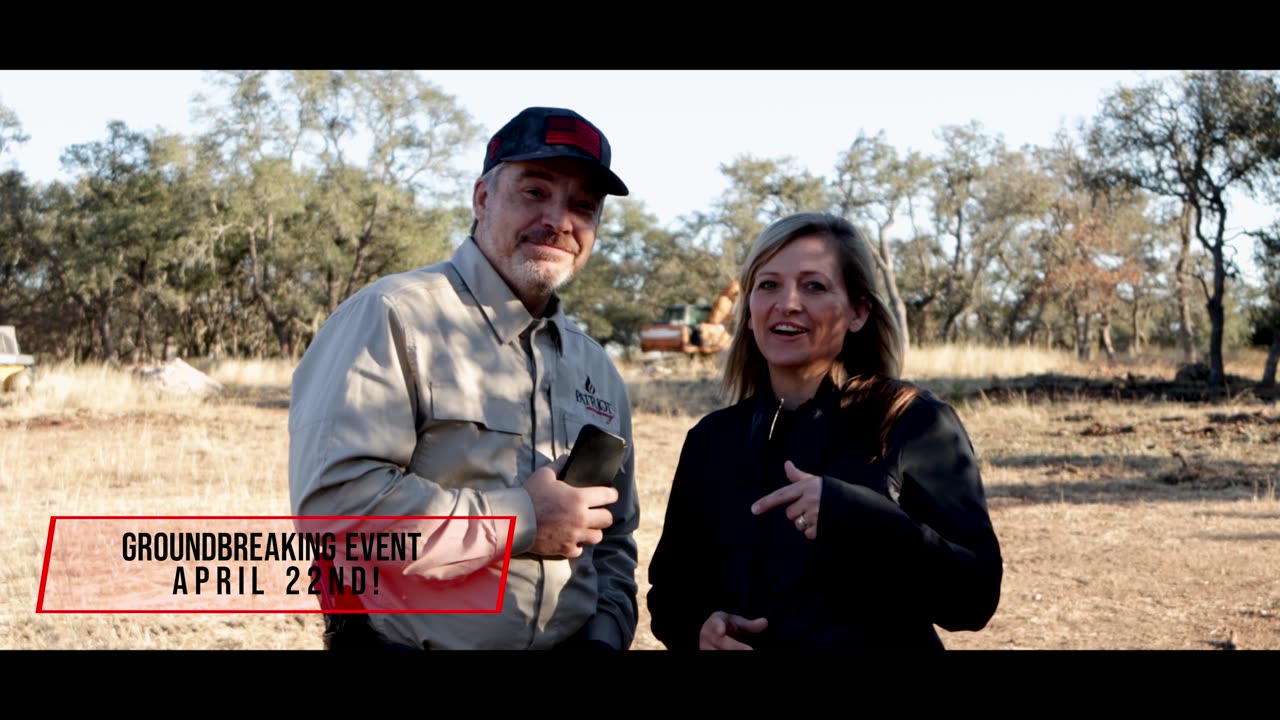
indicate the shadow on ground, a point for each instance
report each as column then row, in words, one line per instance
column 1137, row 478
column 1057, row 388
column 698, row 397
column 259, row 396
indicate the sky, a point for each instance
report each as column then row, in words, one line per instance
column 670, row 130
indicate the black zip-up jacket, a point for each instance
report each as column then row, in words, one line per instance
column 904, row 542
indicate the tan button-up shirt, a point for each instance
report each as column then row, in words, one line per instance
column 435, row 392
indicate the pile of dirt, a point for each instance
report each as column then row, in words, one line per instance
column 177, row 377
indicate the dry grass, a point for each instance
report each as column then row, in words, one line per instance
column 982, row 362
column 1132, row 525
column 250, row 373
column 92, row 440
column 1123, row 525
column 67, row 387
column 207, row 460
column 976, row 361
column 672, row 386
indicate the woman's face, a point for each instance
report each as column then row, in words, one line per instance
column 800, row 310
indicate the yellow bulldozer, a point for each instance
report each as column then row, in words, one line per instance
column 15, row 368
column 692, row 329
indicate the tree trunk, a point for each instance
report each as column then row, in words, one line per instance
column 1269, row 370
column 1217, row 316
column 924, row 324
column 1084, row 349
column 1014, row 318
column 1104, row 333
column 1217, row 319
column 285, row 335
column 950, row 327
column 330, row 291
column 1139, row 318
column 1183, row 293
column 362, row 244
column 104, row 334
column 891, row 286
column 279, row 322
column 141, row 341
column 1038, row 324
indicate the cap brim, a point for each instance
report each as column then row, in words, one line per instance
column 613, row 184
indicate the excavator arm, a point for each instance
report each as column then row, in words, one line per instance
column 689, row 336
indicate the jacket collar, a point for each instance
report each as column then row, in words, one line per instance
column 812, row 434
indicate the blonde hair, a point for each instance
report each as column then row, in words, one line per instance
column 870, row 362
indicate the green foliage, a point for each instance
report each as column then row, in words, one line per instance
column 304, row 186
column 10, row 130
column 1194, row 140
column 637, row 268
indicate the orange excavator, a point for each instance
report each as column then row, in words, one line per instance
column 692, row 329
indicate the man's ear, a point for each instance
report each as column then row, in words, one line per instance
column 861, row 311
column 479, row 198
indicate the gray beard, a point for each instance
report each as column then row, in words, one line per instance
column 542, row 282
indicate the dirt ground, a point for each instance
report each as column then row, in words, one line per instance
column 1131, row 524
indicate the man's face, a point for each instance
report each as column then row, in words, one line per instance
column 536, row 222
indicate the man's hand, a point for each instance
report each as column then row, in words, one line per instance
column 721, row 630
column 567, row 517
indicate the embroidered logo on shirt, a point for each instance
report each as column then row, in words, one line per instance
column 591, row 403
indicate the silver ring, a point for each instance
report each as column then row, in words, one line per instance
column 801, row 522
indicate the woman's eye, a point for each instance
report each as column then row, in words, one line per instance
column 766, row 285
column 815, row 286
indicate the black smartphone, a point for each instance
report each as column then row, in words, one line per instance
column 595, row 458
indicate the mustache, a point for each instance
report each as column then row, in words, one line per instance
column 543, row 236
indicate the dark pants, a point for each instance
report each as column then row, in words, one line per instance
column 352, row 631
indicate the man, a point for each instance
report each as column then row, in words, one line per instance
column 456, row 390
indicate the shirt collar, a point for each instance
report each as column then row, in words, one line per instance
column 507, row 316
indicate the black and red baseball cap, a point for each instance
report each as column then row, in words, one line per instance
column 546, row 132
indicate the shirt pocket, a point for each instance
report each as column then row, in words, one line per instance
column 471, row 439
column 570, row 425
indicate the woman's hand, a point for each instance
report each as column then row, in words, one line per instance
column 803, row 495
column 721, row 630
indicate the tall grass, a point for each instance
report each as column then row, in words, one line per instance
column 276, row 373
column 973, row 361
column 964, row 361
column 95, row 387
column 91, row 440
column 672, row 386
column 98, row 387
column 981, row 361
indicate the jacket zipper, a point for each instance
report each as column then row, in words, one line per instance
column 775, row 419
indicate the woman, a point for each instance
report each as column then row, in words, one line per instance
column 833, row 505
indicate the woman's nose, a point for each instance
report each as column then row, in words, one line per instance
column 790, row 299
